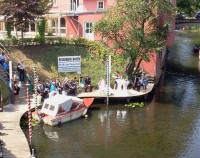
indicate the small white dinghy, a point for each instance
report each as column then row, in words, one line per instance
column 60, row 109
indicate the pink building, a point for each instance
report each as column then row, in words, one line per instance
column 76, row 18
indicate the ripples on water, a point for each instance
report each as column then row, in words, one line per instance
column 167, row 127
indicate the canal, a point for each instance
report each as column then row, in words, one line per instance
column 168, row 126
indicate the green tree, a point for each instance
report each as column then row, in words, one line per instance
column 41, row 27
column 188, row 7
column 136, row 28
column 22, row 12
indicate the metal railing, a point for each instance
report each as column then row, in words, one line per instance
column 7, row 53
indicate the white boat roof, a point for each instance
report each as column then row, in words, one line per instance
column 58, row 99
column 52, row 105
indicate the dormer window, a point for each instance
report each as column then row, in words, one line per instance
column 100, row 5
column 74, row 4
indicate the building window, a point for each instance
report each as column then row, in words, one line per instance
column 53, row 26
column 100, row 5
column 74, row 4
column 32, row 25
column 26, row 27
column 88, row 27
column 53, row 2
column 62, row 22
column 62, row 25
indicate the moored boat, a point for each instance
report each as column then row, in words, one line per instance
column 60, row 109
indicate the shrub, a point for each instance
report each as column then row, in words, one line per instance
column 40, row 40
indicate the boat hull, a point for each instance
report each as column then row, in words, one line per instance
column 52, row 121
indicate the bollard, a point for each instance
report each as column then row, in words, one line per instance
column 33, row 154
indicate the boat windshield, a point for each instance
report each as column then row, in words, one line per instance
column 60, row 110
column 46, row 106
column 52, row 108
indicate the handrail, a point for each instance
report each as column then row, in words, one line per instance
column 7, row 53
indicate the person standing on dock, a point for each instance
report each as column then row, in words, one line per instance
column 88, row 83
column 101, row 84
column 16, row 90
column 2, row 58
column 144, row 82
column 21, row 67
column 81, row 84
column 116, row 76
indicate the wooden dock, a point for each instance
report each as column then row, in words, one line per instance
column 128, row 95
column 16, row 144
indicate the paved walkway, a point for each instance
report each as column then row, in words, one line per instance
column 16, row 144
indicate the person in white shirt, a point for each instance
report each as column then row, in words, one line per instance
column 2, row 58
column 116, row 76
column 21, row 67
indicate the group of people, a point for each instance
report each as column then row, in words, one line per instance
column 139, row 82
column 72, row 86
column 16, row 80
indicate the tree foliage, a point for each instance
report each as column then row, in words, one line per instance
column 22, row 12
column 8, row 29
column 188, row 7
column 136, row 28
column 41, row 27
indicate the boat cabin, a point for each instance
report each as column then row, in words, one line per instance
column 58, row 104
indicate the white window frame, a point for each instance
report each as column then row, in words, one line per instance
column 54, row 3
column 98, row 5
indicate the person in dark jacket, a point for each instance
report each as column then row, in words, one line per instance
column 88, row 83
column 16, row 90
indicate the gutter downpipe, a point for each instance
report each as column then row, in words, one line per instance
column 78, row 25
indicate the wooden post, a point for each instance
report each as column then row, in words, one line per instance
column 10, row 70
column 29, row 114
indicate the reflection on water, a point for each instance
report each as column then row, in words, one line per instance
column 168, row 126
column 53, row 135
